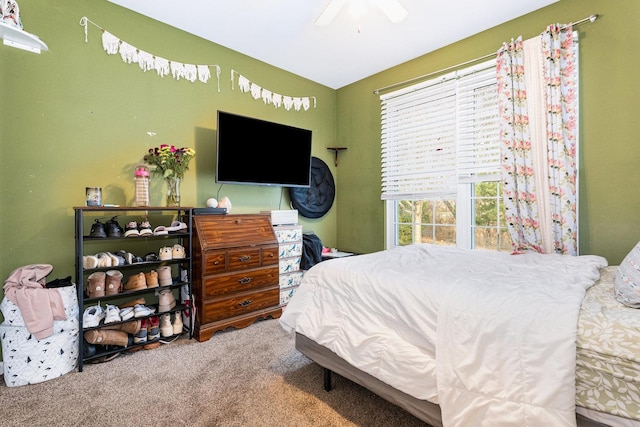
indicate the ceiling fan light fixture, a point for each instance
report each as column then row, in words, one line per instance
column 394, row 10
column 330, row 12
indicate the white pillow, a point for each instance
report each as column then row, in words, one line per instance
column 627, row 282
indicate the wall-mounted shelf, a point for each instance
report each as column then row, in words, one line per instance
column 16, row 37
column 336, row 150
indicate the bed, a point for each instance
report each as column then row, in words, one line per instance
column 536, row 340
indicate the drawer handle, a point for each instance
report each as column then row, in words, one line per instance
column 245, row 258
column 216, row 262
column 245, row 303
column 245, row 280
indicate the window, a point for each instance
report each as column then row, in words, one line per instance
column 441, row 162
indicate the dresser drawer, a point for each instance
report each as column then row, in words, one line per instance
column 214, row 262
column 221, row 284
column 270, row 255
column 239, row 304
column 243, row 258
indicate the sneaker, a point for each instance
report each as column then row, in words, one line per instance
column 177, row 323
column 97, row 230
column 164, row 276
column 92, row 316
column 112, row 314
column 141, row 336
column 177, row 251
column 113, row 228
column 143, row 311
column 166, row 328
column 145, row 229
column 153, row 329
column 166, row 300
column 126, row 313
column 166, row 253
column 131, row 230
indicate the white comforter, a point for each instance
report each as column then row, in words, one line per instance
column 504, row 327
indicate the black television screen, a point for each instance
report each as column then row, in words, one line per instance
column 259, row 152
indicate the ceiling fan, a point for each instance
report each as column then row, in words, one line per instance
column 393, row 9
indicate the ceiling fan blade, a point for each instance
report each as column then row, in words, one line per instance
column 394, row 10
column 330, row 12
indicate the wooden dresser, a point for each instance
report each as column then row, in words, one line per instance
column 235, row 274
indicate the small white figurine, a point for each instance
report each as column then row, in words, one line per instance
column 10, row 13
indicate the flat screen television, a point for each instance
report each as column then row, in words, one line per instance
column 259, row 152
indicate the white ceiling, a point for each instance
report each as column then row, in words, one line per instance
column 282, row 32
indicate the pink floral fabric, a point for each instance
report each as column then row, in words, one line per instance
column 561, row 81
column 519, row 192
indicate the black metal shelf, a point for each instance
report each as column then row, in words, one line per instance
column 82, row 238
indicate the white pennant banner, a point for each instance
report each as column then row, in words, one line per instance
column 147, row 61
column 268, row 97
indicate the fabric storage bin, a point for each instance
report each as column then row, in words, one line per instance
column 27, row 360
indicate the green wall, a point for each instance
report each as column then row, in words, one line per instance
column 609, row 148
column 74, row 117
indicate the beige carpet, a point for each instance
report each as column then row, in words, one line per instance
column 245, row 377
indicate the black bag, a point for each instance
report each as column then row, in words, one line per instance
column 311, row 251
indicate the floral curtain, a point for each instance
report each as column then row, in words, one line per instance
column 560, row 74
column 519, row 188
column 524, row 199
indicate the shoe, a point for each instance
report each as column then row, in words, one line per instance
column 177, row 323
column 145, row 229
column 166, row 300
column 95, row 288
column 153, row 329
column 126, row 313
column 152, row 279
column 131, row 328
column 97, row 230
column 113, row 282
column 131, row 230
column 89, row 262
column 166, row 253
column 141, row 336
column 92, row 316
column 176, row 226
column 186, row 314
column 113, row 228
column 132, row 303
column 117, row 258
column 160, row 230
column 164, row 276
column 107, row 337
column 166, row 328
column 112, row 314
column 151, row 257
column 104, row 260
column 177, row 251
column 135, row 282
column 143, row 311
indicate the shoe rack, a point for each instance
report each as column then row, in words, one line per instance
column 144, row 257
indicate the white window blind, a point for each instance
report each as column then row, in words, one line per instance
column 440, row 132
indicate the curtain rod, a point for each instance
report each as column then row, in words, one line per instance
column 591, row 18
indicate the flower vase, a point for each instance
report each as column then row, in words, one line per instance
column 173, row 191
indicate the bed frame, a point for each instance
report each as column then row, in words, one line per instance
column 422, row 409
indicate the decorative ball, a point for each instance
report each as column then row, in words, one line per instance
column 225, row 203
column 212, row 203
